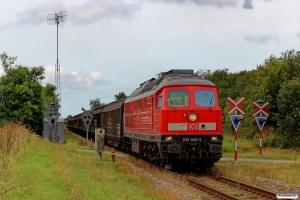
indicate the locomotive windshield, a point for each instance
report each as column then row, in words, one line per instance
column 178, row 98
column 205, row 98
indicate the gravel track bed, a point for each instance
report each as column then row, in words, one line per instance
column 233, row 191
column 167, row 185
column 275, row 186
column 267, row 184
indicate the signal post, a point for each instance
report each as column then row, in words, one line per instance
column 236, row 120
column 87, row 118
column 260, row 120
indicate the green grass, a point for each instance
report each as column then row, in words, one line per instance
column 53, row 171
column 248, row 171
column 250, row 149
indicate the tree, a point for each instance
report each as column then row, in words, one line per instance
column 21, row 94
column 120, row 95
column 49, row 93
column 7, row 61
column 202, row 73
column 289, row 112
column 96, row 103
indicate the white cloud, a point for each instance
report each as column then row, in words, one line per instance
column 38, row 14
column 76, row 80
column 203, row 2
column 95, row 75
column 97, row 10
column 88, row 12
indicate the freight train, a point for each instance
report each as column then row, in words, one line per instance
column 172, row 120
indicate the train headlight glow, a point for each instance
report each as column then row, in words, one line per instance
column 192, row 117
column 217, row 138
column 214, row 138
column 167, row 138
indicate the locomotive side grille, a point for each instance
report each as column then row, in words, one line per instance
column 135, row 146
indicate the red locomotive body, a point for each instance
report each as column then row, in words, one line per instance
column 175, row 119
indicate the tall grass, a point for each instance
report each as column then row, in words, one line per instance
column 14, row 139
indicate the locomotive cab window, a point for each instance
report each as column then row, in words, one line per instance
column 178, row 98
column 205, row 98
column 159, row 102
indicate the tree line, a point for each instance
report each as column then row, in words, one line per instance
column 22, row 97
column 276, row 81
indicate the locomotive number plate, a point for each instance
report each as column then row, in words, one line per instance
column 191, row 139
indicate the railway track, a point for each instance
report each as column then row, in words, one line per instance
column 218, row 187
column 225, row 188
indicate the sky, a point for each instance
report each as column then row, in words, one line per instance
column 111, row 46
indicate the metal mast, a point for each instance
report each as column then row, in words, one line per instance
column 55, row 19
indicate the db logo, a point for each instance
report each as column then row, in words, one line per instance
column 193, row 126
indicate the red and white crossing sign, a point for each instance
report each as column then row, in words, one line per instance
column 236, row 105
column 260, row 109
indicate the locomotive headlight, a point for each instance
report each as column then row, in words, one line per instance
column 167, row 138
column 192, row 117
column 217, row 138
column 214, row 138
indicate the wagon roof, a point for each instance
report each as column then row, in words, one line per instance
column 172, row 77
column 98, row 110
column 114, row 105
column 77, row 116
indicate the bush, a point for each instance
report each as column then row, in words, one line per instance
column 289, row 112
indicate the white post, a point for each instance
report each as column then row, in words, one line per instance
column 260, row 139
column 235, row 144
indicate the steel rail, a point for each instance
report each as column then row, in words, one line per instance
column 207, row 189
column 245, row 186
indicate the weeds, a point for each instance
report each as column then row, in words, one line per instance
column 13, row 141
column 287, row 180
column 238, row 194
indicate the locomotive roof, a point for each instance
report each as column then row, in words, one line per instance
column 172, row 77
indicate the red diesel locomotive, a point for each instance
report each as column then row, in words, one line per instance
column 173, row 120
